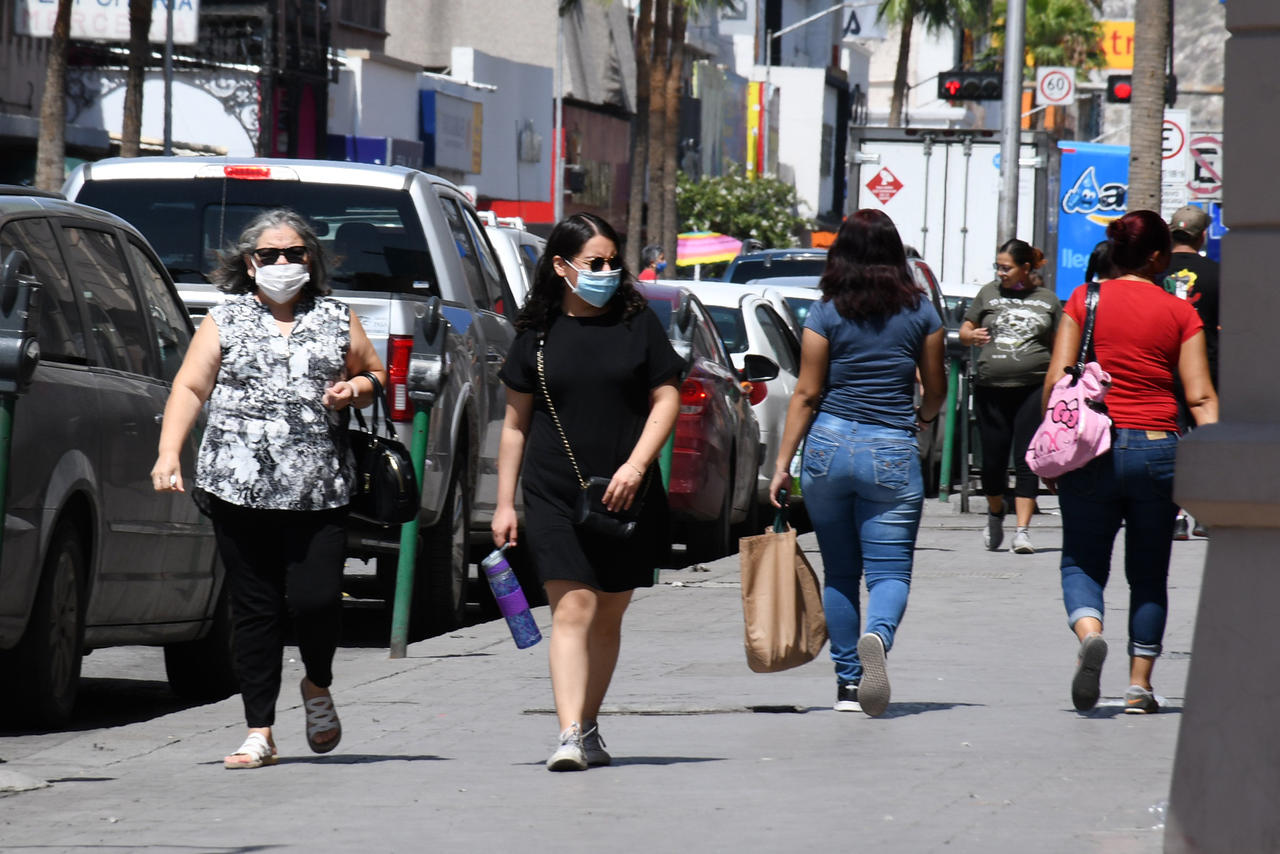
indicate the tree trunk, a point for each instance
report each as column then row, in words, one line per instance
column 640, row 135
column 671, row 137
column 1146, row 105
column 658, row 119
column 139, row 53
column 900, row 72
column 51, row 147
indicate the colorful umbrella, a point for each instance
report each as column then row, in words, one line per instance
column 705, row 247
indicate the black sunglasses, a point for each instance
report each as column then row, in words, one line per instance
column 292, row 254
column 595, row 265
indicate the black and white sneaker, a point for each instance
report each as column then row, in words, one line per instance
column 847, row 697
column 1085, row 685
column 593, row 746
column 570, row 755
column 993, row 535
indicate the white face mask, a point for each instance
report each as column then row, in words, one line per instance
column 281, row 282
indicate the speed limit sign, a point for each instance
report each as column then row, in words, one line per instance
column 1055, row 87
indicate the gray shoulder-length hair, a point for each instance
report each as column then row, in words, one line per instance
column 232, row 275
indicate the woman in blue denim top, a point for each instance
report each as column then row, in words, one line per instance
column 865, row 345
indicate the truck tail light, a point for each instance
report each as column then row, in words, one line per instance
column 693, row 396
column 247, row 173
column 399, row 347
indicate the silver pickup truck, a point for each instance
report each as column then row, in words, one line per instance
column 397, row 236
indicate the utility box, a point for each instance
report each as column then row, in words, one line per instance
column 941, row 187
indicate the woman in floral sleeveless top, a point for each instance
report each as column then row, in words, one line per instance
column 277, row 363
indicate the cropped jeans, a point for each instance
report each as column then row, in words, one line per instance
column 1132, row 484
column 864, row 493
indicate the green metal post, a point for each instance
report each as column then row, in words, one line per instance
column 6, row 440
column 409, row 543
column 664, row 460
column 949, row 429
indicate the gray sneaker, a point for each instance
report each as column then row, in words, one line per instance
column 1085, row 688
column 570, row 755
column 1140, row 701
column 873, row 689
column 993, row 536
column 1022, row 542
column 593, row 745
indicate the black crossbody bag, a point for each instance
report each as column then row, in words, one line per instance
column 590, row 512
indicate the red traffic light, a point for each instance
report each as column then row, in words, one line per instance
column 970, row 86
column 952, row 86
column 1124, row 91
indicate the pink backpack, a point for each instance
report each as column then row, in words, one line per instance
column 1076, row 427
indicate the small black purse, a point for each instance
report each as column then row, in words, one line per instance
column 386, row 487
column 590, row 512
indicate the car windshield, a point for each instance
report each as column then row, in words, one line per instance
column 372, row 234
column 799, row 307
column 729, row 322
column 769, row 268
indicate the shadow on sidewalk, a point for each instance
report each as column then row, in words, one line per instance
column 103, row 703
column 904, row 710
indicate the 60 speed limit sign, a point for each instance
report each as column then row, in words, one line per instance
column 1055, row 87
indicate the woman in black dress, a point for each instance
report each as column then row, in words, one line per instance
column 611, row 375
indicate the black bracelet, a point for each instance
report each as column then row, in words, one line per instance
column 923, row 420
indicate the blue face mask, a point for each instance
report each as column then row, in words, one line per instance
column 597, row 288
column 660, row 266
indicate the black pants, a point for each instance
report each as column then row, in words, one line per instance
column 281, row 564
column 1007, row 418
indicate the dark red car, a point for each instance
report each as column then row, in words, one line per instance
column 717, row 439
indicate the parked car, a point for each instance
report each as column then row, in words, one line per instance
column 750, row 325
column 770, row 263
column 92, row 555
column 517, row 248
column 717, row 439
column 399, row 236
column 791, row 295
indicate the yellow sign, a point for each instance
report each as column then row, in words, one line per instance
column 1117, row 43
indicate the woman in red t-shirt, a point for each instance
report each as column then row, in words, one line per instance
column 1142, row 336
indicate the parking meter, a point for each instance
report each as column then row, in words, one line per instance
column 19, row 317
column 427, row 370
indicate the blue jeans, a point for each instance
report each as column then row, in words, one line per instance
column 1132, row 484
column 864, row 493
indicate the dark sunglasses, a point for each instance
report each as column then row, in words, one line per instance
column 269, row 254
column 595, row 265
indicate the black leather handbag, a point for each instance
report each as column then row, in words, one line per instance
column 386, row 487
column 590, row 512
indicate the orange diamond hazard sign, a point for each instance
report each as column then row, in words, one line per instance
column 884, row 185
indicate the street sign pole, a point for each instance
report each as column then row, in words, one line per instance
column 1011, row 124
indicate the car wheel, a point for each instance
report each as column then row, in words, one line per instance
column 713, row 539
column 46, row 662
column 440, row 585
column 204, row 670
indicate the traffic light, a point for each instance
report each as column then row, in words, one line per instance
column 970, row 86
column 1120, row 89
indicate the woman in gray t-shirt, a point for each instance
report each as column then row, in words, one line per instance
column 1012, row 321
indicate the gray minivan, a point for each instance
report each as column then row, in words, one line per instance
column 92, row 555
column 397, row 237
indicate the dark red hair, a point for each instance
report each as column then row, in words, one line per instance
column 867, row 275
column 1134, row 237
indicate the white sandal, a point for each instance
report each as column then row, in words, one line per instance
column 321, row 717
column 256, row 747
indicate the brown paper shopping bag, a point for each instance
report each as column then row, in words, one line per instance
column 781, row 601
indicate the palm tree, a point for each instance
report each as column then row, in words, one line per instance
column 935, row 15
column 640, row 133
column 51, row 146
column 1146, row 105
column 139, row 51
column 671, row 137
column 1058, row 33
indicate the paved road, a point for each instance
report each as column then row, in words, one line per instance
column 980, row 751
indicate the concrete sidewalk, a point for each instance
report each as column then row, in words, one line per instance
column 979, row 752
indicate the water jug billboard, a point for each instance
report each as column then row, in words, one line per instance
column 1095, row 184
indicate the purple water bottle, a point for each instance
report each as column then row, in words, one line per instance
column 510, row 598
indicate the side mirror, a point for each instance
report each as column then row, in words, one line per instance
column 758, row 369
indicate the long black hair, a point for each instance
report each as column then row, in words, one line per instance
column 867, row 276
column 566, row 241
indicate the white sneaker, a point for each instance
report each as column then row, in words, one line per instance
column 993, row 535
column 873, row 690
column 569, row 756
column 593, row 745
column 1022, row 542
